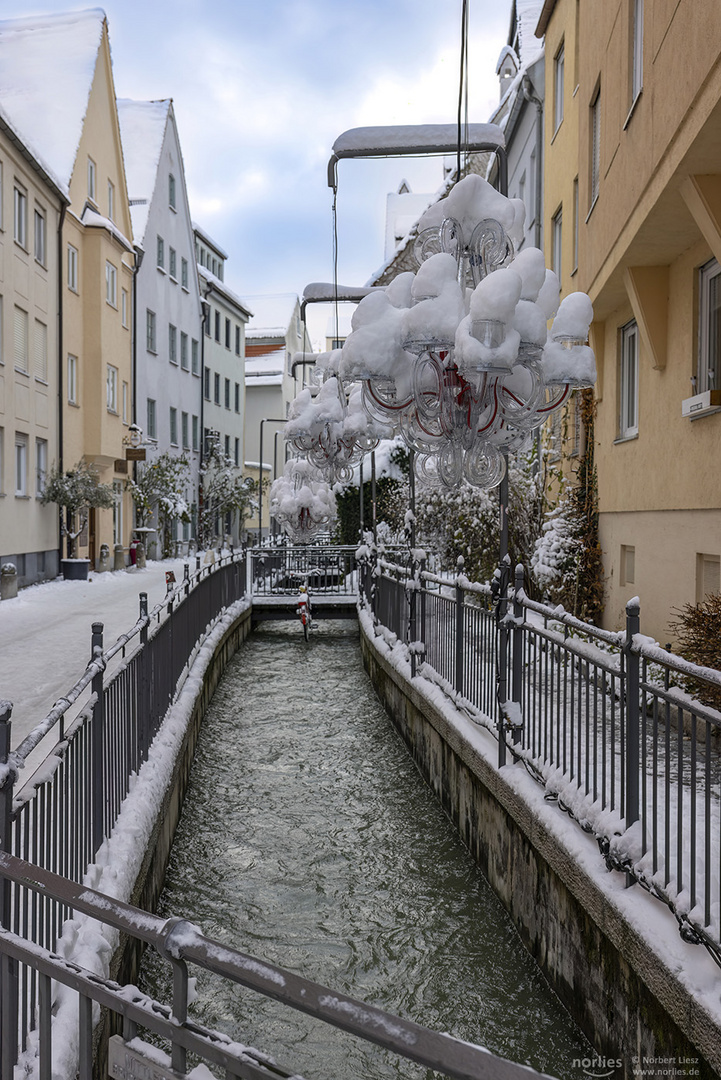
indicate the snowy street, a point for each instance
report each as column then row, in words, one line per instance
column 45, row 633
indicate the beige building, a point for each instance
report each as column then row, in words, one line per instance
column 647, row 93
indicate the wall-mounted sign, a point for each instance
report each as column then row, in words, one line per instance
column 134, row 453
column 121, row 465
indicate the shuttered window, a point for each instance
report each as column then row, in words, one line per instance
column 21, row 339
column 41, row 351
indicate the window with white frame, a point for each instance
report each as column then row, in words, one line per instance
column 628, row 381
column 21, row 339
column 21, row 217
column 172, row 263
column 40, row 351
column 184, row 273
column 173, row 426
column 92, row 173
column 558, row 79
column 151, row 419
column 41, row 465
column 171, row 191
column 195, row 427
column 40, row 252
column 21, row 464
column 72, row 268
column 557, row 242
column 708, row 374
column 172, row 343
column 124, row 307
column 195, row 357
column 627, row 573
column 111, row 200
column 112, row 389
column 708, row 576
column 111, row 284
column 595, row 145
column 637, row 50
column 72, row 379
column 160, row 258
column 151, row 336
column 184, row 362
column 185, row 430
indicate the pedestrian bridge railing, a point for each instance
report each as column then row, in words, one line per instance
column 326, row 570
column 613, row 726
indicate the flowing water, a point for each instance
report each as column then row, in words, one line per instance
column 310, row 840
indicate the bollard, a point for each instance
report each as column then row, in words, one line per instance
column 103, row 562
column 118, row 557
column 8, row 581
column 140, row 556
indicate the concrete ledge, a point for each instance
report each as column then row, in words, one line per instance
column 622, row 993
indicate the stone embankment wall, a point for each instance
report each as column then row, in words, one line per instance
column 623, row 995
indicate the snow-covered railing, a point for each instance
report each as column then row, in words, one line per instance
column 61, row 816
column 612, row 725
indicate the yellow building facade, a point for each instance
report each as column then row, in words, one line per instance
column 646, row 100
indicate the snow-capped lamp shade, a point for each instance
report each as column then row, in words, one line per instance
column 567, row 359
column 301, row 501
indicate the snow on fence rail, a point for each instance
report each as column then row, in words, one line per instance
column 61, row 816
column 601, row 719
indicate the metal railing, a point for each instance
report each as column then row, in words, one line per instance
column 601, row 719
column 61, row 816
column 278, row 570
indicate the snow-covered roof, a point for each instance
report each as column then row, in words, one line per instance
column 272, row 314
column 268, row 364
column 142, row 130
column 94, row 220
column 208, row 239
column 47, row 64
column 528, row 12
column 210, row 282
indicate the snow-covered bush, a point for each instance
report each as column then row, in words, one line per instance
column 75, row 491
column 697, row 629
column 555, row 558
column 161, row 486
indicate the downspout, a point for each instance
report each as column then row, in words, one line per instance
column 61, row 222
column 205, row 314
column 531, row 97
column 139, row 252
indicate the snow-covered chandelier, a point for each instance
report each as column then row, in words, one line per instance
column 457, row 357
column 301, row 501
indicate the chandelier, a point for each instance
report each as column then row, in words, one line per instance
column 301, row 501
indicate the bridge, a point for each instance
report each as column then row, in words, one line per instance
column 330, row 574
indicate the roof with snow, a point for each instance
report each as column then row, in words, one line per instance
column 524, row 20
column 47, row 64
column 272, row 314
column 209, row 282
column 142, row 130
column 208, row 239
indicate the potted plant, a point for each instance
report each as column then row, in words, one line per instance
column 75, row 492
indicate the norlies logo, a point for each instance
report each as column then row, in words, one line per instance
column 598, row 1067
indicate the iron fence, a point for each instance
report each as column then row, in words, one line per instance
column 60, row 817
column 603, row 720
column 278, row 570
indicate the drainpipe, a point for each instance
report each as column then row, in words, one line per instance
column 205, row 313
column 139, row 252
column 61, row 222
column 530, row 96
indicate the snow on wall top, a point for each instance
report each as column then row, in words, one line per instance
column 47, row 64
column 272, row 314
column 142, row 130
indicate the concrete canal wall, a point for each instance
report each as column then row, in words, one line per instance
column 630, row 1003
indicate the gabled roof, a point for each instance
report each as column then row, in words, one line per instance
column 527, row 13
column 47, row 64
column 272, row 315
column 142, row 131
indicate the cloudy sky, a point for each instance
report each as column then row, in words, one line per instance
column 261, row 90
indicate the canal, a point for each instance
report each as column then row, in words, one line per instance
column 309, row 839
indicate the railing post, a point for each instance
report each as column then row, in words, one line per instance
column 502, row 675
column 98, row 741
column 8, row 967
column 633, row 624
column 517, row 659
column 144, row 690
column 460, row 644
column 186, row 577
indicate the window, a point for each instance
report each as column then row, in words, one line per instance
column 160, row 260
column 206, row 321
column 112, row 389
column 206, row 384
column 237, row 397
column 21, row 339
column 152, row 423
column 227, row 447
column 637, row 50
column 151, row 339
column 111, row 284
column 124, row 307
column 708, row 577
column 217, row 326
column 2, row 331
column 183, row 351
column 91, row 179
column 21, row 464
column 41, row 351
column 41, row 465
column 227, row 333
column 111, row 200
column 172, row 343
column 709, row 329
column 628, row 382
column 184, row 273
column 575, row 226
column 196, row 433
column 173, row 426
column 236, row 454
column 237, row 341
column 627, row 574
column 40, row 236
column 2, row 460
column 72, row 379
column 185, row 430
column 1, row 225
column 557, row 242
column 195, row 357
column 21, row 218
column 227, row 393
column 72, row 268
column 558, row 76
column 171, row 191
column 595, row 145
column 126, row 399
column 172, row 263
column 216, row 389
